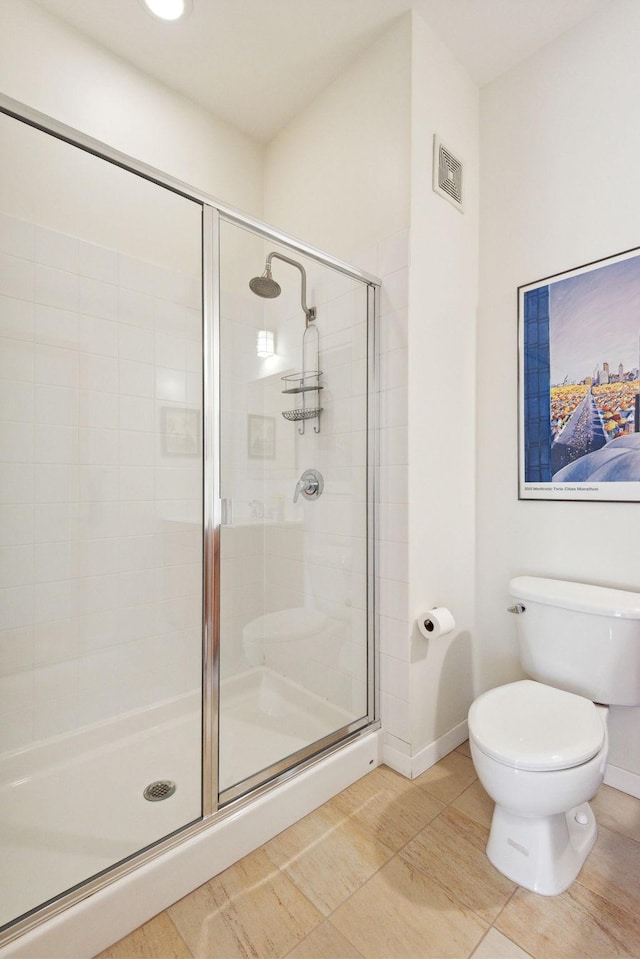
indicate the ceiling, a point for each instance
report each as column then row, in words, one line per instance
column 257, row 63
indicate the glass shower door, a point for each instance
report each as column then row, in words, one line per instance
column 100, row 515
column 294, row 541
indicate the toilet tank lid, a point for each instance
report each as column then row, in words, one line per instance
column 597, row 600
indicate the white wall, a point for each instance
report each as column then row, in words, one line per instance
column 442, row 340
column 56, row 70
column 338, row 175
column 560, row 153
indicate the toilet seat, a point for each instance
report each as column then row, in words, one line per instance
column 530, row 726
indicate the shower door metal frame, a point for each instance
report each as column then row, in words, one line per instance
column 214, row 810
column 211, row 509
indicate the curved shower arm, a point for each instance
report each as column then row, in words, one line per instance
column 309, row 311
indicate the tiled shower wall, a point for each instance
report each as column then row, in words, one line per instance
column 329, row 572
column 100, row 515
column 313, row 552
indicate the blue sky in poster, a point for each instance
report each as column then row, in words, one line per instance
column 595, row 319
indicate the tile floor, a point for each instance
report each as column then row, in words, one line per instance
column 391, row 869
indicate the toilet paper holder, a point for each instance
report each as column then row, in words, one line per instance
column 435, row 622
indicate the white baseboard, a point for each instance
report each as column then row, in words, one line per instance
column 623, row 780
column 437, row 750
column 413, row 766
column 396, row 760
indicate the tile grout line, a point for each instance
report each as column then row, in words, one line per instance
column 617, row 832
column 434, row 879
column 396, row 854
column 178, row 933
column 505, row 906
column 327, row 917
column 323, row 918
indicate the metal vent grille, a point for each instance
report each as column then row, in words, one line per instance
column 161, row 789
column 447, row 174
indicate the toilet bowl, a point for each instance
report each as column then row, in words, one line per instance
column 540, row 753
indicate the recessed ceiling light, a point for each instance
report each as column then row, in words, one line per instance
column 167, row 9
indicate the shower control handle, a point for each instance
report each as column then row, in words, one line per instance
column 310, row 485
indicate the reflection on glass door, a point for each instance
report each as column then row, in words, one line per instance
column 100, row 515
column 293, row 545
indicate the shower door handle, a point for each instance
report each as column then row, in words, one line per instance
column 226, row 512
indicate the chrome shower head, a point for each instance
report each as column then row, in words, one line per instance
column 265, row 285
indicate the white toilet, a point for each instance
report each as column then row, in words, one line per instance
column 540, row 745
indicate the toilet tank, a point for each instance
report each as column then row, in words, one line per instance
column 582, row 638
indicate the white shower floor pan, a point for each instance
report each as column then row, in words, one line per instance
column 73, row 806
column 264, row 717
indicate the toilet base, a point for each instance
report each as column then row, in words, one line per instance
column 542, row 854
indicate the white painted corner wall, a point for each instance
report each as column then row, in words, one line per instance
column 338, row 174
column 559, row 151
column 53, row 68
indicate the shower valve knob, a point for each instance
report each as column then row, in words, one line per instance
column 310, row 484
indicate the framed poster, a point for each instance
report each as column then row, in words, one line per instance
column 579, row 386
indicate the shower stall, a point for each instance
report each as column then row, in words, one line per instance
column 187, row 484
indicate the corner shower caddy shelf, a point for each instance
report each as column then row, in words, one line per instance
column 306, row 381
